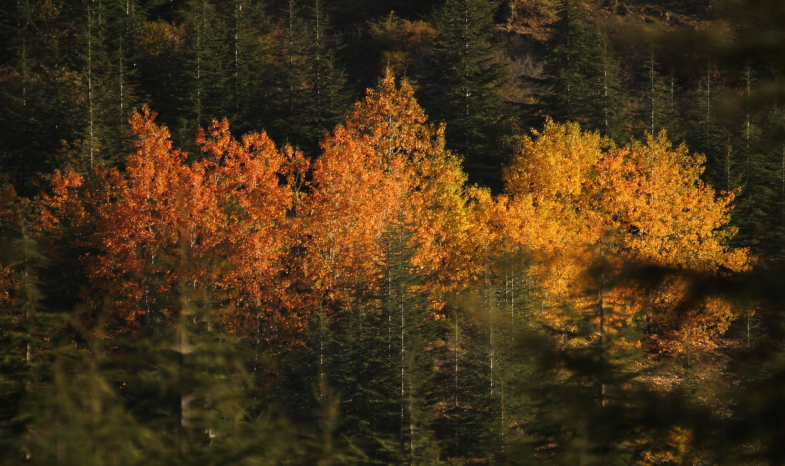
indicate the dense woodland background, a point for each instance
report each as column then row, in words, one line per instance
column 392, row 232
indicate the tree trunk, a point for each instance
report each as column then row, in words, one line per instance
column 90, row 78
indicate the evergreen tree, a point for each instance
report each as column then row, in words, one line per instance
column 378, row 354
column 707, row 134
column 27, row 332
column 78, row 418
column 605, row 100
column 582, row 75
column 203, row 79
column 657, row 107
column 115, row 78
column 414, row 332
column 589, row 400
column 109, row 86
column 43, row 95
column 308, row 84
column 759, row 206
column 566, row 49
column 329, row 80
column 251, row 61
column 463, row 87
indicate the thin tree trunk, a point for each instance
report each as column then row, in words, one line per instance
column 411, row 416
column 27, row 294
column 501, row 416
column 23, row 33
column 708, row 102
column 651, row 82
column 747, row 132
column 748, row 329
column 605, row 80
column 122, row 86
column 199, row 39
column 672, row 99
column 185, row 398
column 727, row 166
column 289, row 117
column 237, row 10
column 318, row 83
column 602, row 321
column 466, row 64
column 322, row 380
column 133, row 29
column 491, row 342
column 389, row 308
column 401, row 309
column 455, row 393
column 90, row 79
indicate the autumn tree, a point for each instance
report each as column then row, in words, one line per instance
column 378, row 251
column 257, row 187
column 387, row 143
column 588, row 210
column 216, row 204
column 591, row 215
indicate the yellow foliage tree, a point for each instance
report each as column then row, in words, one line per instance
column 583, row 208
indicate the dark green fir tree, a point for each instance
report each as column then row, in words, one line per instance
column 464, row 87
column 582, row 76
column 308, row 85
column 708, row 134
column 657, row 109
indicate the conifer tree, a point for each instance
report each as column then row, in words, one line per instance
column 110, row 90
column 591, row 404
column 708, row 135
column 204, row 78
column 27, row 330
column 78, row 417
column 250, row 86
column 657, row 108
column 309, row 85
column 581, row 78
column 605, row 100
column 758, row 212
column 329, row 79
column 43, row 96
column 116, row 86
column 463, row 87
column 414, row 333
column 567, row 48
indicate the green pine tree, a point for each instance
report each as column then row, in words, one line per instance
column 250, row 62
column 309, row 94
column 604, row 99
column 566, row 49
column 27, row 336
column 43, row 99
column 463, row 87
column 707, row 133
column 657, row 108
column 582, row 76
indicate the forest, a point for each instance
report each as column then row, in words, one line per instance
column 388, row 232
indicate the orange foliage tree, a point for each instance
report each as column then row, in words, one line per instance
column 258, row 189
column 227, row 210
column 583, row 208
column 387, row 165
